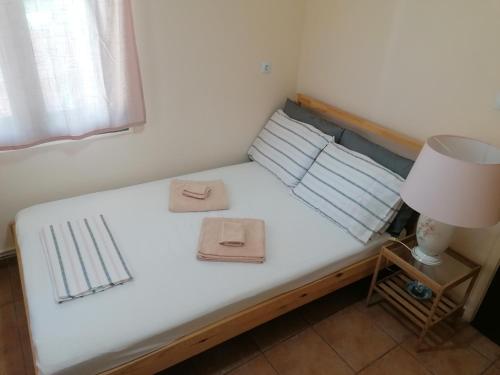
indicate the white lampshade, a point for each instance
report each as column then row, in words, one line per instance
column 456, row 181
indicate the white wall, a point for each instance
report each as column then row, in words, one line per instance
column 205, row 100
column 420, row 67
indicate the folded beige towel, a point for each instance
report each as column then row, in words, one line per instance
column 232, row 234
column 194, row 190
column 253, row 250
column 216, row 200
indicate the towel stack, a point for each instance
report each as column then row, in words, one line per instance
column 196, row 190
column 197, row 196
column 232, row 234
column 232, row 240
column 221, row 239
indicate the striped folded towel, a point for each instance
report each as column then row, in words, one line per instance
column 83, row 257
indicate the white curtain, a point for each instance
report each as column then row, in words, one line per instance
column 68, row 69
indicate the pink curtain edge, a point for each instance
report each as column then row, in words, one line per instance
column 135, row 54
column 139, row 94
column 72, row 137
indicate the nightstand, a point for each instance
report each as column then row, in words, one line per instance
column 442, row 279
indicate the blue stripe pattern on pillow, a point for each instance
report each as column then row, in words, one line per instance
column 288, row 147
column 352, row 190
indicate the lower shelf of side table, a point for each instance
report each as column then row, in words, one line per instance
column 393, row 289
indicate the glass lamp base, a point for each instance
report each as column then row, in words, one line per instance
column 424, row 258
column 433, row 238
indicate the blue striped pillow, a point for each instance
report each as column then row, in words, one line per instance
column 287, row 147
column 352, row 190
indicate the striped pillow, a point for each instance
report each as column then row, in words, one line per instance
column 355, row 192
column 287, row 147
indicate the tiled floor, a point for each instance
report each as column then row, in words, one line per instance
column 15, row 351
column 334, row 335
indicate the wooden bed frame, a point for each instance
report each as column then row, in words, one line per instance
column 233, row 325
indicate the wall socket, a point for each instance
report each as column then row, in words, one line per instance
column 265, row 67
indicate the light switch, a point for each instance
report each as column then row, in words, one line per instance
column 497, row 102
column 265, row 67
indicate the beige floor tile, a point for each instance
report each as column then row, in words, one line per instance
column 15, row 282
column 390, row 321
column 463, row 335
column 26, row 349
column 20, row 312
column 5, row 289
column 183, row 368
column 22, row 325
column 306, row 353
column 448, row 336
column 397, row 361
column 493, row 370
column 486, row 347
column 355, row 337
column 449, row 361
column 8, row 324
column 257, row 366
column 11, row 357
column 322, row 308
column 279, row 329
column 224, row 357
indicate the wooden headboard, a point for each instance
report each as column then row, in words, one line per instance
column 397, row 142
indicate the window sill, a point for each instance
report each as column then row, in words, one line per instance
column 89, row 138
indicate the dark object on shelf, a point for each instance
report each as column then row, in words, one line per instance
column 418, row 290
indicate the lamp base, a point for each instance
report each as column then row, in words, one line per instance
column 422, row 257
column 433, row 238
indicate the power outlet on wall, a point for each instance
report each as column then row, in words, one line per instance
column 265, row 67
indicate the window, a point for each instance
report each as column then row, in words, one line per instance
column 69, row 70
column 4, row 99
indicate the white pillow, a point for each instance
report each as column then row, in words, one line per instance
column 287, row 147
column 351, row 189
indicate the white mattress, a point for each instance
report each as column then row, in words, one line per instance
column 172, row 293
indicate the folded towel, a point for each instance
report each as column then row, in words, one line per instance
column 216, row 200
column 83, row 257
column 232, row 234
column 253, row 250
column 198, row 191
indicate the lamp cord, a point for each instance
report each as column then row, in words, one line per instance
column 394, row 239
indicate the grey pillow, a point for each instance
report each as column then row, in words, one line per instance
column 388, row 159
column 301, row 114
column 405, row 216
column 381, row 155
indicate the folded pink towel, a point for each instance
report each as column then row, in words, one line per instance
column 252, row 251
column 232, row 234
column 194, row 190
column 216, row 200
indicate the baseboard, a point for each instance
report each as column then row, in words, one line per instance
column 7, row 254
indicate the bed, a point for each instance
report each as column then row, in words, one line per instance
column 177, row 306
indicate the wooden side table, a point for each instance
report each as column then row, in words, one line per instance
column 454, row 270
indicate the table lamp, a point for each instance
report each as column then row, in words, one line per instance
column 455, row 182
